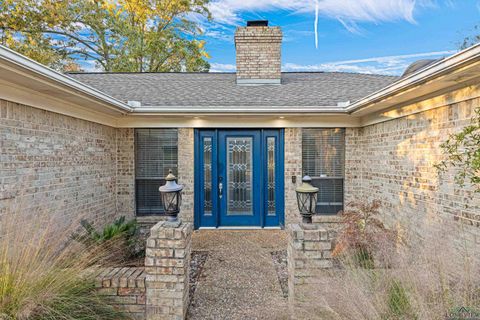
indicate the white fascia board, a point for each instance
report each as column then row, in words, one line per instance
column 436, row 69
column 39, row 69
column 229, row 110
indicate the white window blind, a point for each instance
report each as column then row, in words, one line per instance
column 156, row 152
column 323, row 159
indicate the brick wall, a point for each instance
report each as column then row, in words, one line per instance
column 186, row 173
column 258, row 53
column 126, row 289
column 167, row 268
column 394, row 161
column 126, row 171
column 160, row 289
column 309, row 254
column 353, row 164
column 293, row 167
column 57, row 165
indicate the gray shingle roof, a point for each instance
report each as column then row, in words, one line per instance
column 219, row 89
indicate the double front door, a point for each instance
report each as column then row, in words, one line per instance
column 239, row 178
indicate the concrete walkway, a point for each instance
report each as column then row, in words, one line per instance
column 239, row 279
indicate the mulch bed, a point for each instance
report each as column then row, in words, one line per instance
column 280, row 263
column 197, row 261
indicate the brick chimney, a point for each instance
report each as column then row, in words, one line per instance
column 258, row 49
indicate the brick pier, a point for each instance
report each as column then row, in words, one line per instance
column 167, row 262
column 309, row 253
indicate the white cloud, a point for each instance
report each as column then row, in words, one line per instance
column 350, row 13
column 89, row 66
column 221, row 67
column 227, row 11
column 219, row 35
column 391, row 65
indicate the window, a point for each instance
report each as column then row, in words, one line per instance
column 156, row 152
column 323, row 159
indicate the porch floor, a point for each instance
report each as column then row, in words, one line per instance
column 238, row 280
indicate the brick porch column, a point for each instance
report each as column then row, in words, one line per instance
column 167, row 264
column 309, row 253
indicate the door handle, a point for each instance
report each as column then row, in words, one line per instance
column 220, row 187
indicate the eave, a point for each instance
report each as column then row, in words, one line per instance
column 452, row 73
column 20, row 74
column 25, row 81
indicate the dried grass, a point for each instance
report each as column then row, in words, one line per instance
column 426, row 280
column 44, row 274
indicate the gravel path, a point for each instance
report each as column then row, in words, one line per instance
column 238, row 280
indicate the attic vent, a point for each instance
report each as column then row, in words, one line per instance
column 257, row 23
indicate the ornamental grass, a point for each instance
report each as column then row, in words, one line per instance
column 45, row 274
column 434, row 274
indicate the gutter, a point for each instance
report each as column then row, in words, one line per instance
column 434, row 70
column 229, row 110
column 39, row 69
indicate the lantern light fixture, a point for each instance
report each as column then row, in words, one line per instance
column 307, row 199
column 171, row 195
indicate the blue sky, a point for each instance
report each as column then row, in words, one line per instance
column 368, row 36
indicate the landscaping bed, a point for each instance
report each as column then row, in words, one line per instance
column 197, row 262
column 280, row 262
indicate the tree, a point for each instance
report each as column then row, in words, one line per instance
column 462, row 150
column 471, row 40
column 115, row 35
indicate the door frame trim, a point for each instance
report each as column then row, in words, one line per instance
column 280, row 188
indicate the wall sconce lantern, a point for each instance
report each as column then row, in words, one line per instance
column 171, row 194
column 307, row 199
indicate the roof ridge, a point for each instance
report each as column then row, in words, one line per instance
column 205, row 73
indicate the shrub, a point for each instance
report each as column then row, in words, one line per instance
column 462, row 151
column 363, row 237
column 120, row 240
column 45, row 275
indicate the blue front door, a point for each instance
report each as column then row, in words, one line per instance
column 239, row 178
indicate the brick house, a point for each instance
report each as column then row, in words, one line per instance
column 100, row 143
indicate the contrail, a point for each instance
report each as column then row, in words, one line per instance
column 316, row 24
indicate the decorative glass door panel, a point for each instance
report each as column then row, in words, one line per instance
column 207, row 174
column 271, row 176
column 240, row 178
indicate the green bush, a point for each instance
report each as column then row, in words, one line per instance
column 121, row 237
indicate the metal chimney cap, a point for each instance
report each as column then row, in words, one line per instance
column 257, row 23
